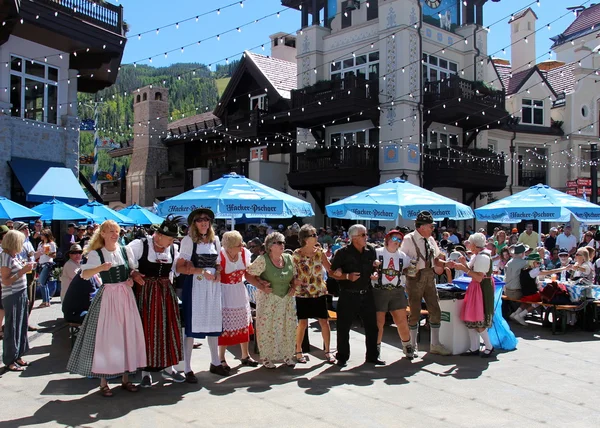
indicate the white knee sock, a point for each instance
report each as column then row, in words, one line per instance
column 188, row 347
column 413, row 335
column 213, row 346
column 486, row 339
column 435, row 336
column 474, row 338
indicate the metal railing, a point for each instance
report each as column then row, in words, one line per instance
column 530, row 177
column 350, row 87
column 455, row 87
column 101, row 13
column 476, row 160
column 323, row 159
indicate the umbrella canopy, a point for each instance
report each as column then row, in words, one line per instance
column 57, row 210
column 140, row 215
column 539, row 202
column 11, row 210
column 105, row 213
column 233, row 196
column 59, row 183
column 397, row 197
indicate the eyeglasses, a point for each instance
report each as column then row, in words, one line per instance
column 314, row 235
column 202, row 220
column 396, row 239
column 279, row 243
column 362, row 235
column 76, row 252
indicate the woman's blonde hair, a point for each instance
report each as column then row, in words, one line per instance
column 12, row 242
column 195, row 234
column 97, row 241
column 582, row 252
column 231, row 239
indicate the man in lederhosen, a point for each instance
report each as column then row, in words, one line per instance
column 422, row 249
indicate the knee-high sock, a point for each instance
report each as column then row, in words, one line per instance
column 213, row 346
column 188, row 347
column 414, row 331
column 435, row 335
column 486, row 339
column 474, row 337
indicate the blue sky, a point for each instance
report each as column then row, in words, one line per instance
column 142, row 17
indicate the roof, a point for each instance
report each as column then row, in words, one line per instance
column 521, row 14
column 280, row 73
column 503, row 73
column 562, row 78
column 517, row 80
column 199, row 122
column 559, row 79
column 585, row 23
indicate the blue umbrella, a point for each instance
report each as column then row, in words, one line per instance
column 397, row 197
column 140, row 215
column 57, row 210
column 233, row 196
column 12, row 210
column 539, row 202
column 105, row 213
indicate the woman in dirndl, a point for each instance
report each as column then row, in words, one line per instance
column 481, row 299
column 199, row 257
column 111, row 339
column 155, row 258
column 237, row 318
column 273, row 274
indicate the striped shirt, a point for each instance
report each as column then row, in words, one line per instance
column 13, row 263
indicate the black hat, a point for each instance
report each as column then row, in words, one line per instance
column 169, row 227
column 404, row 229
column 199, row 211
column 424, row 217
column 71, row 225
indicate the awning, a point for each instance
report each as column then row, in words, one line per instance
column 29, row 171
column 59, row 183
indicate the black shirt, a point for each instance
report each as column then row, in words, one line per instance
column 550, row 243
column 350, row 260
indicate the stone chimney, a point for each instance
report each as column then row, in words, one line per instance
column 522, row 38
column 149, row 158
column 283, row 46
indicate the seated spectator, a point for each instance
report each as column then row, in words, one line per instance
column 582, row 269
column 503, row 260
column 78, row 297
column 553, row 261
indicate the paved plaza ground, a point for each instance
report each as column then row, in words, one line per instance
column 550, row 381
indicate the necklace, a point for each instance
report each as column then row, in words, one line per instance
column 279, row 263
column 234, row 258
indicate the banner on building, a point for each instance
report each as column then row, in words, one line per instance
column 413, row 153
column 390, row 154
column 107, row 143
column 441, row 13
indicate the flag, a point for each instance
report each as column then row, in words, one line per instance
column 123, row 173
column 114, row 169
column 584, row 194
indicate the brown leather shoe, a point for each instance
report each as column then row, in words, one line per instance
column 128, row 386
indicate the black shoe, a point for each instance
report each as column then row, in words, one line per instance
column 248, row 361
column 470, row 353
column 376, row 361
column 219, row 370
column 341, row 363
column 487, row 353
column 190, row 377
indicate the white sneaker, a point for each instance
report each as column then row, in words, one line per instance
column 521, row 318
column 439, row 350
column 514, row 314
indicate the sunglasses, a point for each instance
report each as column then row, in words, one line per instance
column 362, row 234
column 279, row 242
column 76, row 252
column 314, row 235
column 202, row 219
column 396, row 239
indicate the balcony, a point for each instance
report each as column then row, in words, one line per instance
column 113, row 191
column 170, row 184
column 470, row 104
column 218, row 171
column 243, row 123
column 530, row 177
column 329, row 100
column 92, row 31
column 323, row 167
column 473, row 170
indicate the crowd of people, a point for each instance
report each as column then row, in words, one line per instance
column 142, row 296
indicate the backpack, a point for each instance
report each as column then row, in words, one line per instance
column 555, row 293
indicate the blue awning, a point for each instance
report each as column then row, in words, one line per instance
column 29, row 171
column 59, row 183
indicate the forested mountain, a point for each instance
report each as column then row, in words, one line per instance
column 191, row 87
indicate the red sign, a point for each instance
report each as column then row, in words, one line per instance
column 584, row 182
column 572, row 183
column 572, row 192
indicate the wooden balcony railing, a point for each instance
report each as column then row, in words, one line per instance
column 334, row 90
column 455, row 87
column 328, row 158
column 101, row 13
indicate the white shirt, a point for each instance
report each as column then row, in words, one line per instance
column 480, row 263
column 454, row 239
column 114, row 257
column 397, row 261
column 137, row 248
column 45, row 258
column 408, row 247
column 566, row 242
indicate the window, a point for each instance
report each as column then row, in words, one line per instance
column 441, row 140
column 259, row 102
column 372, row 9
column 365, row 66
column 531, row 166
column 533, row 112
column 33, row 90
column 361, row 137
column 492, row 145
column 346, row 16
column 435, row 68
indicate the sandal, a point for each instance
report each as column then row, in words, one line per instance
column 225, row 365
column 105, row 391
column 329, row 358
column 249, row 361
column 268, row 364
column 14, row 367
column 302, row 359
column 21, row 362
column 289, row 362
column 128, row 386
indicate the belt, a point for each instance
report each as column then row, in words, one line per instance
column 387, row 287
column 355, row 291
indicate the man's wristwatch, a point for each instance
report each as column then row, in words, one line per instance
column 347, row 277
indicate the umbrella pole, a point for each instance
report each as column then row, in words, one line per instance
column 232, row 223
column 539, row 233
